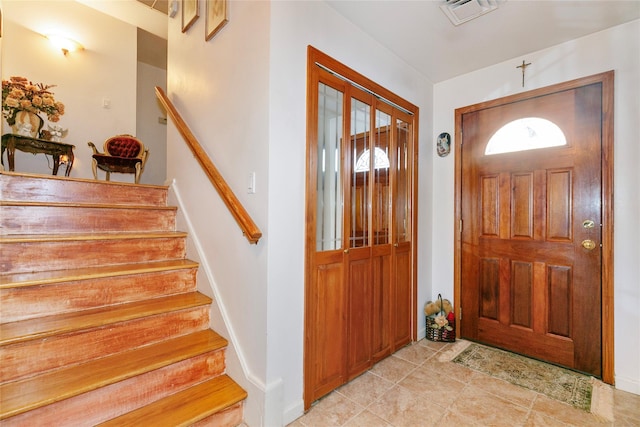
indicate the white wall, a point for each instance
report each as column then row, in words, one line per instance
column 220, row 87
column 243, row 95
column 614, row 49
column 105, row 69
column 148, row 129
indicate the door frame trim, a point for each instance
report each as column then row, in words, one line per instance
column 606, row 164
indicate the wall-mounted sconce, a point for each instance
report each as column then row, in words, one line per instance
column 173, row 8
column 64, row 43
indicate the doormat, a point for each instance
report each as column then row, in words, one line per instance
column 553, row 381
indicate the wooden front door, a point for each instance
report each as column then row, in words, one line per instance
column 360, row 257
column 531, row 232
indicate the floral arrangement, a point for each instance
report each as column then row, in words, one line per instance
column 19, row 94
column 440, row 321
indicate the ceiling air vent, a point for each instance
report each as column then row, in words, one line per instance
column 460, row 11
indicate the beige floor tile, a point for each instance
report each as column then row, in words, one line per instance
column 331, row 411
column 393, row 368
column 536, row 419
column 367, row 419
column 625, row 422
column 565, row 413
column 415, row 353
column 626, row 407
column 432, row 387
column 456, row 420
column 296, row 423
column 365, row 389
column 402, row 408
column 413, row 388
column 447, row 370
column 487, row 409
column 433, row 345
column 513, row 393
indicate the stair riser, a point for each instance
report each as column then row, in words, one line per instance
column 41, row 189
column 40, row 355
column 23, row 257
column 45, row 300
column 230, row 417
column 113, row 400
column 77, row 219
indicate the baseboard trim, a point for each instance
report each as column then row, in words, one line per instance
column 256, row 388
column 627, row 384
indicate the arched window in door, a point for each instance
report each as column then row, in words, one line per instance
column 380, row 160
column 530, row 133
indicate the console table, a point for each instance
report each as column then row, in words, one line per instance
column 11, row 142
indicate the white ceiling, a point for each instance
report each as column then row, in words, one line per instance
column 421, row 34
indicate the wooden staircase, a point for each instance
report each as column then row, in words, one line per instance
column 100, row 320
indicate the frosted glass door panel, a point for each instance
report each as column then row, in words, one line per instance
column 329, row 197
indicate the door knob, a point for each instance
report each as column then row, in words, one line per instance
column 588, row 244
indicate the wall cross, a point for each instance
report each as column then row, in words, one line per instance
column 523, row 66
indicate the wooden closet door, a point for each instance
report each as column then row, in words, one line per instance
column 359, row 284
column 326, row 295
column 358, row 195
column 403, row 296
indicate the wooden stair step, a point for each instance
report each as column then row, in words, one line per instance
column 48, row 293
column 30, row 358
column 61, row 276
column 19, row 217
column 74, row 237
column 95, row 205
column 113, row 400
column 186, row 407
column 41, row 188
column 41, row 327
column 28, row 253
column 25, row 395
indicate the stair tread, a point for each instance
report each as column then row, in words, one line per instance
column 185, row 407
column 85, row 205
column 41, row 327
column 25, row 395
column 86, row 180
column 31, row 238
column 15, row 280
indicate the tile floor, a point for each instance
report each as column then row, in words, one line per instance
column 412, row 388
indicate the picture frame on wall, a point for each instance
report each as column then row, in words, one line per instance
column 443, row 144
column 216, row 17
column 189, row 13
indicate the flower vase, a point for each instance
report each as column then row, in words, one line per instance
column 27, row 123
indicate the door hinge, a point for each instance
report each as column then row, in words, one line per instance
column 459, row 313
column 460, row 226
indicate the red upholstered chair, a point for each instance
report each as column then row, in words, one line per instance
column 122, row 154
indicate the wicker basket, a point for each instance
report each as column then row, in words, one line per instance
column 440, row 334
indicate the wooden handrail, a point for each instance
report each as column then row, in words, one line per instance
column 249, row 228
